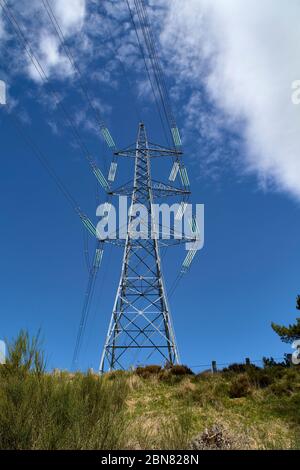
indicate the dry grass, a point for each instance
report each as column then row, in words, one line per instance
column 177, row 412
column 154, row 409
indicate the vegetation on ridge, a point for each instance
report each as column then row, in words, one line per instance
column 152, row 408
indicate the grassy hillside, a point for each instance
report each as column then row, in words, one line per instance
column 147, row 409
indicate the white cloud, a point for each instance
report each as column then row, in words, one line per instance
column 246, row 55
column 70, row 17
column 70, row 14
column 50, row 58
column 39, row 32
column 233, row 62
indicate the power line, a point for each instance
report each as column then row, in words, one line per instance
column 156, row 65
column 115, row 51
column 99, row 246
column 98, row 300
column 89, row 294
column 159, row 78
column 41, row 156
column 159, row 82
column 147, row 70
column 71, row 59
column 152, row 52
column 41, row 72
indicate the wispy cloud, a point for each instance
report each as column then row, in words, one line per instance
column 232, row 63
column 70, row 15
column 241, row 55
column 78, row 25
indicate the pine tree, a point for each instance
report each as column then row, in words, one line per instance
column 290, row 333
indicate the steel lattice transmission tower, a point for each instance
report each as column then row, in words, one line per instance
column 141, row 321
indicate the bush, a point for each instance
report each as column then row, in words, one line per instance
column 270, row 362
column 180, row 370
column 24, row 355
column 240, row 368
column 240, row 387
column 174, row 374
column 147, row 371
column 46, row 411
column 288, row 384
column 260, row 378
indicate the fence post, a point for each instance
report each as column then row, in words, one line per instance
column 214, row 366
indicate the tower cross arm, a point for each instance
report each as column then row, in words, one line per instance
column 153, row 151
column 159, row 189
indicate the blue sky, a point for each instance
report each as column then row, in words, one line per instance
column 242, row 169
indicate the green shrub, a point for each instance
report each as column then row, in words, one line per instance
column 240, row 387
column 23, row 356
column 62, row 411
column 180, row 370
column 288, row 384
column 240, row 368
column 259, row 378
column 147, row 371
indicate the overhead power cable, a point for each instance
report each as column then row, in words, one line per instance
column 153, row 56
column 43, row 159
column 111, row 43
column 158, row 73
column 158, row 82
column 41, row 72
column 72, row 201
column 89, row 294
column 70, row 56
column 152, row 84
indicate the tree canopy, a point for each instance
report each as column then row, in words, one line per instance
column 290, row 333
